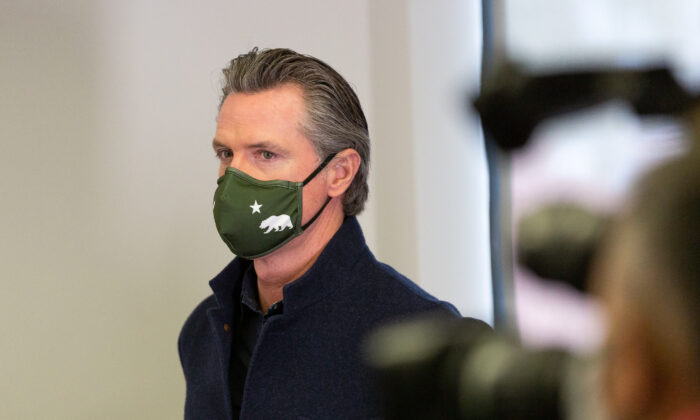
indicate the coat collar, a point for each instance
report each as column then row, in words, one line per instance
column 329, row 272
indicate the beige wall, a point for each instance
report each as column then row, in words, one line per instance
column 107, row 242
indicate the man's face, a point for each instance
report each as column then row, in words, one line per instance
column 260, row 135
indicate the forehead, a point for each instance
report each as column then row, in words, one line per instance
column 276, row 114
column 282, row 103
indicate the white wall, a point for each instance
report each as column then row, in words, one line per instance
column 451, row 174
column 542, row 33
column 431, row 194
column 106, row 173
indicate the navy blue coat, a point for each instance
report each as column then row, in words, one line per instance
column 307, row 363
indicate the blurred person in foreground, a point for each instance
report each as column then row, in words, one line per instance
column 280, row 336
column 649, row 278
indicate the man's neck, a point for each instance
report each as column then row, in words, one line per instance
column 290, row 262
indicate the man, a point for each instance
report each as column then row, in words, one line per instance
column 649, row 279
column 280, row 336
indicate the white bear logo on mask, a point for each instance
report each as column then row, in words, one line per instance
column 278, row 223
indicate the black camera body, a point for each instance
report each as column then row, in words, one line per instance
column 462, row 369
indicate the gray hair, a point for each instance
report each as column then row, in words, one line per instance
column 335, row 120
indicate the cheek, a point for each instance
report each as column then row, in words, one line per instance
column 626, row 389
column 627, row 377
column 614, row 386
column 313, row 198
column 222, row 169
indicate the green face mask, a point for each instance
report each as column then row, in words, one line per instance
column 255, row 218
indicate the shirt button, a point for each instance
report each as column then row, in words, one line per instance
column 227, row 328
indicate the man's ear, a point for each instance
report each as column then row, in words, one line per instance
column 341, row 172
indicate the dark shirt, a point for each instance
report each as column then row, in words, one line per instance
column 246, row 333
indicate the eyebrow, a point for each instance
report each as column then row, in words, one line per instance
column 257, row 145
column 216, row 144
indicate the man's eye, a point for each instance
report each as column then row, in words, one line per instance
column 267, row 155
column 224, row 154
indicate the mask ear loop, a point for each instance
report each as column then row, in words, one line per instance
column 323, row 164
column 313, row 219
column 308, row 179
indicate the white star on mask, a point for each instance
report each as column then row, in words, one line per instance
column 256, row 207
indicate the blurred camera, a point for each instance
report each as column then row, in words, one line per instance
column 462, row 369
